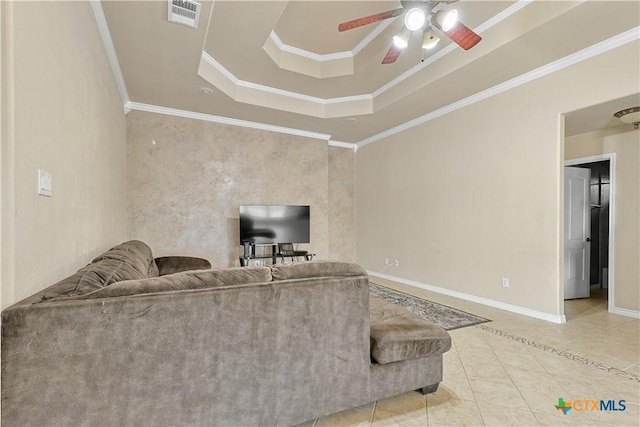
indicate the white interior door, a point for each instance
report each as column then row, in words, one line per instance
column 577, row 232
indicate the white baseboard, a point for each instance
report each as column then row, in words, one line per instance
column 473, row 298
column 625, row 312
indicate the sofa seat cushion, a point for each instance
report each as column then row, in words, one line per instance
column 189, row 280
column 397, row 334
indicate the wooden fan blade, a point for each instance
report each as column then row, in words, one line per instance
column 392, row 54
column 349, row 25
column 463, row 36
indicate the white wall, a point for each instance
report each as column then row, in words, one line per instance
column 61, row 112
column 473, row 196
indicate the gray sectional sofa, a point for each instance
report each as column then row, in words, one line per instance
column 120, row 343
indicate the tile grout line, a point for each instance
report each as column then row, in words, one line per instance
column 563, row 353
column 373, row 413
column 426, row 408
column 473, row 392
column 512, row 381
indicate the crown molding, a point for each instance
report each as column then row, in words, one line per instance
column 224, row 120
column 581, row 55
column 107, row 41
column 235, row 122
column 277, row 98
column 502, row 15
column 596, row 49
column 364, row 103
column 451, row 47
column 269, row 89
column 335, row 55
column 341, row 144
column 301, row 61
column 371, row 36
column 309, row 55
column 317, row 65
column 266, row 96
column 589, row 52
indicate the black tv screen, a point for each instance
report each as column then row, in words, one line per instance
column 272, row 224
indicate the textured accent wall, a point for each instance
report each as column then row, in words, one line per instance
column 342, row 215
column 186, row 179
column 61, row 112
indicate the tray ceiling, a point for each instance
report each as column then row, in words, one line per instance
column 283, row 63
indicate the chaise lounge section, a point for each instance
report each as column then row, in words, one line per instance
column 274, row 345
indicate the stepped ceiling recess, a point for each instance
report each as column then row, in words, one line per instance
column 283, row 64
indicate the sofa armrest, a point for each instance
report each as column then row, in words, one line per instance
column 175, row 264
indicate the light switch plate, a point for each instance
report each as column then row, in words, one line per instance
column 44, row 183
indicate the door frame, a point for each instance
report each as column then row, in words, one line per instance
column 611, row 157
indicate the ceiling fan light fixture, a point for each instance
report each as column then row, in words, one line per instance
column 414, row 19
column 430, row 40
column 630, row 116
column 401, row 40
column 447, row 19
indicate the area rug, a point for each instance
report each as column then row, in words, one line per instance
column 447, row 317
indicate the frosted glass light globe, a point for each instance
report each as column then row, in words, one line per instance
column 414, row 19
column 447, row 20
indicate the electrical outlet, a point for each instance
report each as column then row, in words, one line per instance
column 256, row 263
column 396, row 263
column 44, row 183
column 505, row 282
column 386, row 261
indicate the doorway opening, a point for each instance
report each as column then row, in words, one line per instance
column 601, row 204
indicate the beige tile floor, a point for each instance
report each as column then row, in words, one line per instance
column 513, row 370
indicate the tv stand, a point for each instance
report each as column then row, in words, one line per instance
column 244, row 261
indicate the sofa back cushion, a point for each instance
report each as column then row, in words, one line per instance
column 136, row 254
column 178, row 264
column 310, row 269
column 126, row 261
column 197, row 279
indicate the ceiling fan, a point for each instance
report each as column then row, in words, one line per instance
column 424, row 15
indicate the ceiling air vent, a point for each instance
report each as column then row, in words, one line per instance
column 185, row 12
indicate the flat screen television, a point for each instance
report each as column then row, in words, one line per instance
column 273, row 224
